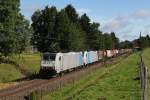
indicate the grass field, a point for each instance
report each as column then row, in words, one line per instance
column 28, row 62
column 146, row 56
column 8, row 72
column 114, row 82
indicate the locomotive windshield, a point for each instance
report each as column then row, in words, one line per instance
column 49, row 57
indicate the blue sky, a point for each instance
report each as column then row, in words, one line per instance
column 125, row 17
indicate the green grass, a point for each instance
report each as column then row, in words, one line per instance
column 114, row 82
column 28, row 62
column 8, row 73
column 146, row 56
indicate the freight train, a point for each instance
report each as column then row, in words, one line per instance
column 58, row 63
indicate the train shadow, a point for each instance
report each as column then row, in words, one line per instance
column 33, row 76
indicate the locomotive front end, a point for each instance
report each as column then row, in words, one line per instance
column 48, row 63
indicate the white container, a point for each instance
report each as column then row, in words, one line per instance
column 109, row 53
column 93, row 56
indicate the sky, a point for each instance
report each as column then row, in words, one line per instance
column 127, row 18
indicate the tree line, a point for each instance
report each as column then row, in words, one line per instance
column 53, row 30
column 142, row 42
column 65, row 30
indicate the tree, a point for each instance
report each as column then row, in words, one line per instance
column 72, row 14
column 62, row 30
column 125, row 44
column 93, row 36
column 107, row 41
column 101, row 41
column 23, row 34
column 147, row 41
column 90, row 30
column 44, row 29
column 148, row 37
column 143, row 41
column 9, row 12
column 115, row 40
column 85, row 23
column 77, row 35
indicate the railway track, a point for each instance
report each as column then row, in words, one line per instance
column 23, row 89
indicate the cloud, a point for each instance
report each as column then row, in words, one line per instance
column 127, row 36
column 122, row 21
column 133, row 21
column 116, row 24
column 83, row 10
column 141, row 14
column 146, row 30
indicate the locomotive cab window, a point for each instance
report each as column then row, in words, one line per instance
column 52, row 57
column 45, row 57
column 49, row 57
